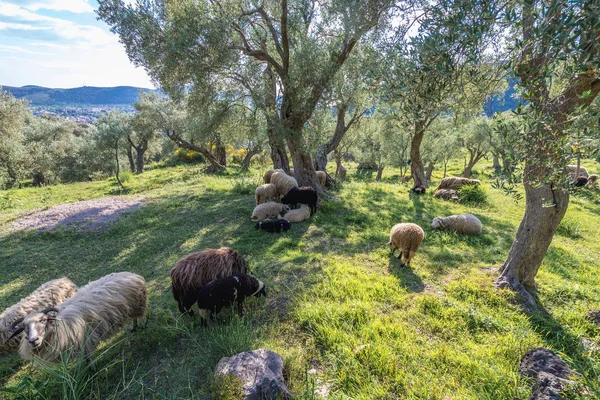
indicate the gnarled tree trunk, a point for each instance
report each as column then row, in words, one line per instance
column 276, row 142
column 220, row 153
column 379, row 172
column 429, row 170
column 249, row 154
column 416, row 163
column 214, row 163
column 130, row 157
column 303, row 167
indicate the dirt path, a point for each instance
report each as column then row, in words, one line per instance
column 84, row 215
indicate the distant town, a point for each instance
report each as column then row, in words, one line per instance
column 80, row 113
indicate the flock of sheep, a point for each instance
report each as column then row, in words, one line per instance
column 58, row 319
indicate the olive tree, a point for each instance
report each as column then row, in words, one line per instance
column 14, row 114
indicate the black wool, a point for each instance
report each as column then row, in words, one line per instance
column 276, row 226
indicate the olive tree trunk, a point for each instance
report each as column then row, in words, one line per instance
column 249, row 154
column 416, row 163
column 130, row 157
column 220, row 153
column 214, row 163
column 304, row 171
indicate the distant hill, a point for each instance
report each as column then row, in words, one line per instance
column 508, row 101
column 86, row 95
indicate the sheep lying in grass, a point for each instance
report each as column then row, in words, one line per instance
column 593, row 180
column 266, row 192
column 571, row 170
column 269, row 173
column 276, row 226
column 446, row 194
column 268, row 210
column 197, row 269
column 298, row 215
column 303, row 195
column 49, row 294
column 406, row 237
column 581, row 181
column 283, row 182
column 97, row 311
column 456, row 182
column 224, row 292
column 467, row 224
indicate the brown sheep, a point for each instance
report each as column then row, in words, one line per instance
column 266, row 192
column 453, row 182
column 406, row 237
column 269, row 173
column 322, row 176
column 197, row 269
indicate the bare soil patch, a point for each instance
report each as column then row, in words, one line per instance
column 86, row 215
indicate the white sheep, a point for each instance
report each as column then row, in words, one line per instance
column 268, row 210
column 283, row 182
column 467, row 224
column 97, row 311
column 592, row 180
column 446, row 194
column 456, row 182
column 49, row 294
column 322, row 176
column 298, row 215
column 269, row 173
column 266, row 192
column 572, row 171
column 406, row 237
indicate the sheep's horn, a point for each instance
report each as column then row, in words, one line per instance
column 15, row 333
column 17, row 322
column 49, row 309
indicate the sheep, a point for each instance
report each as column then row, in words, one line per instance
column 283, row 182
column 446, row 194
column 467, row 224
column 453, row 182
column 593, row 180
column 406, row 237
column 277, row 226
column 224, row 292
column 268, row 210
column 304, row 195
column 197, row 269
column 97, row 311
column 322, row 176
column 266, row 192
column 298, row 215
column 49, row 294
column 571, row 170
column 269, row 173
column 581, row 181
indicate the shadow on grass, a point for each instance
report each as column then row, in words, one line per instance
column 407, row 279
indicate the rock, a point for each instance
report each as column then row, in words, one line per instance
column 260, row 372
column 594, row 316
column 550, row 372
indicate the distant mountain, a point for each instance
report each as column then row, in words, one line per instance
column 86, row 95
column 508, row 101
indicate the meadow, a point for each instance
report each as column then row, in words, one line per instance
column 349, row 321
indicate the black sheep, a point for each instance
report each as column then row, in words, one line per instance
column 303, row 195
column 276, row 226
column 224, row 292
column 581, row 181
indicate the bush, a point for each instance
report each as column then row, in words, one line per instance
column 125, row 176
column 472, row 194
column 244, row 186
column 189, row 156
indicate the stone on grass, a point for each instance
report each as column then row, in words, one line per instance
column 549, row 371
column 260, row 373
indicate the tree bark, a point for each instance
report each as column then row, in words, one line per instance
column 416, row 163
column 544, row 209
column 304, row 171
column 220, row 152
column 379, row 173
column 276, row 143
column 341, row 173
column 130, row 157
column 139, row 161
column 251, row 153
column 117, row 170
column 429, row 170
column 474, row 157
column 496, row 163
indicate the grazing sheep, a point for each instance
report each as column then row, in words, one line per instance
column 446, row 194
column 298, row 215
column 322, row 176
column 268, row 210
column 593, row 180
column 224, row 292
column 197, row 269
column 572, row 170
column 467, row 224
column 581, row 181
column 406, row 237
column 454, row 182
column 49, row 294
column 266, row 192
column 283, row 182
column 277, row 226
column 269, row 173
column 97, row 311
column 304, row 195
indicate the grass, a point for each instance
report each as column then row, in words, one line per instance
column 339, row 306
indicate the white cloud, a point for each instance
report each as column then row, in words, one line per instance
column 18, row 49
column 75, row 6
column 22, row 27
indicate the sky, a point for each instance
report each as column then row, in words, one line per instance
column 60, row 44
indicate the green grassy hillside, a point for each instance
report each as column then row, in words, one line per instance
column 345, row 316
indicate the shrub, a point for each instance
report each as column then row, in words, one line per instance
column 243, row 185
column 125, row 176
column 189, row 156
column 472, row 194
